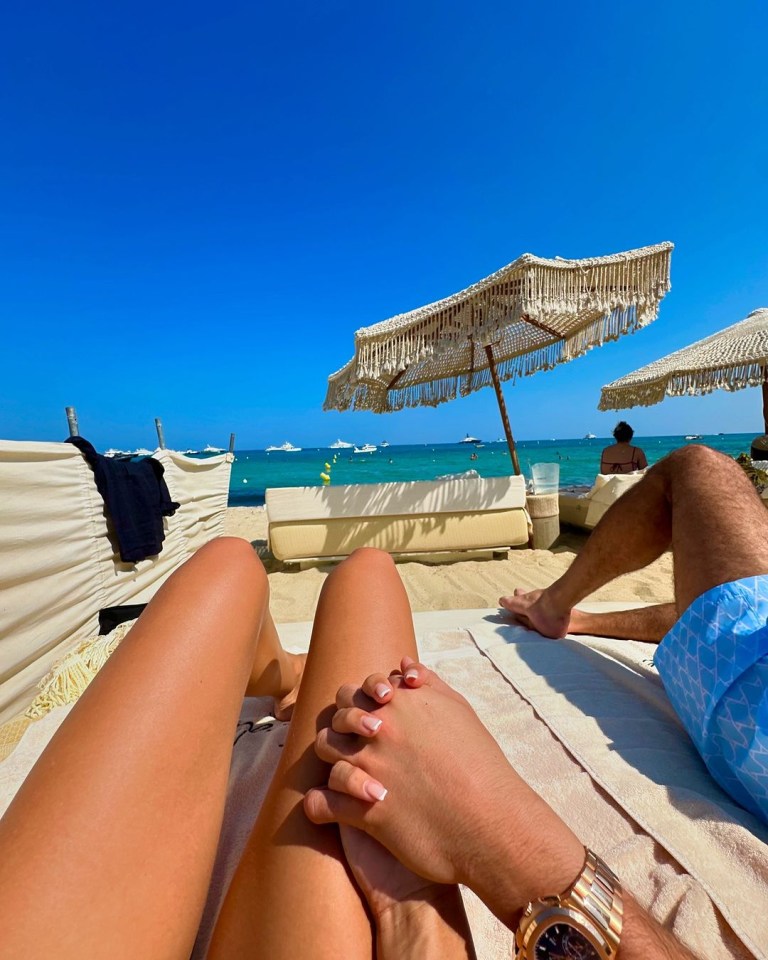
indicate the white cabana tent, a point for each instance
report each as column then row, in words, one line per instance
column 58, row 567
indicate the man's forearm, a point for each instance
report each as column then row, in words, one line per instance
column 650, row 624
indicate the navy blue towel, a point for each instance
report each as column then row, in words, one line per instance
column 136, row 497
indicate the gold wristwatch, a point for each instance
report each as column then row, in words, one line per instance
column 584, row 923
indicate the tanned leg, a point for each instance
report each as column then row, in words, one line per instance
column 651, row 623
column 274, row 669
column 293, row 895
column 696, row 501
column 109, row 844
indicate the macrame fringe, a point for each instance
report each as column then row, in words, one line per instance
column 730, row 360
column 572, row 306
column 71, row 675
column 547, row 292
column 694, row 383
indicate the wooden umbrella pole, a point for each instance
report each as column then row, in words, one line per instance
column 502, row 409
column 765, row 399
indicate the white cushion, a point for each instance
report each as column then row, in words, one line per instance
column 470, row 495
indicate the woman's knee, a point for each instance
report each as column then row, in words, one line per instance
column 235, row 558
column 370, row 558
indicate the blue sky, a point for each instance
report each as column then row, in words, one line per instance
column 200, row 203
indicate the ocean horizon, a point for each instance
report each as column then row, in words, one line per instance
column 254, row 471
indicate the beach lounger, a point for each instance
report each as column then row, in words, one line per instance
column 587, row 723
column 584, row 508
column 307, row 523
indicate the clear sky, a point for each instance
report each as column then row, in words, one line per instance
column 200, row 203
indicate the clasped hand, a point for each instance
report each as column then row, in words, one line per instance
column 414, row 768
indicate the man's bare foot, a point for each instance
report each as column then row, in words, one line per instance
column 284, row 704
column 535, row 610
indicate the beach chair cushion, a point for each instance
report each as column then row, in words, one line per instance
column 586, row 509
column 417, row 517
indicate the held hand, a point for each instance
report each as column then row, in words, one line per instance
column 383, row 880
column 442, row 770
column 454, row 810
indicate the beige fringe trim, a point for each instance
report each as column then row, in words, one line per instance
column 692, row 383
column 732, row 359
column 71, row 675
column 580, row 304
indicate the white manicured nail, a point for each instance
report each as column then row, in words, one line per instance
column 371, row 723
column 375, row 790
column 382, row 691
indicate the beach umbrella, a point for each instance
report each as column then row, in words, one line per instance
column 732, row 359
column 528, row 316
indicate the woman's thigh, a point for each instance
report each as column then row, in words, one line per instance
column 292, row 895
column 109, row 844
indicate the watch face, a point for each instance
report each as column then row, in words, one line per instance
column 561, row 941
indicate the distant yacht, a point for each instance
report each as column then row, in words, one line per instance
column 341, row 445
column 284, row 448
column 469, row 439
column 693, row 436
column 211, row 449
column 366, row 448
column 590, row 436
column 384, row 443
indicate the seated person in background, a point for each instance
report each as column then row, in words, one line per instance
column 759, row 449
column 622, row 457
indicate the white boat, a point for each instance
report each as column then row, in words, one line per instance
column 366, row 448
column 693, row 436
column 341, row 445
column 469, row 439
column 211, row 449
column 284, row 448
column 590, row 436
column 384, row 443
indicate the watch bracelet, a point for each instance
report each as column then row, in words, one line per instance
column 596, row 893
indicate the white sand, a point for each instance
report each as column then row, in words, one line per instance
column 451, row 586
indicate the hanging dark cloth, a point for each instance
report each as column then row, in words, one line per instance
column 136, row 497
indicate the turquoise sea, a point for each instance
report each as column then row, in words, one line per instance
column 255, row 470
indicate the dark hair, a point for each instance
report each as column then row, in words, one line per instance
column 622, row 432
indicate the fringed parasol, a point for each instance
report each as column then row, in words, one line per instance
column 528, row 316
column 732, row 359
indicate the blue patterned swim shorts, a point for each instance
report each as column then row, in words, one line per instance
column 714, row 666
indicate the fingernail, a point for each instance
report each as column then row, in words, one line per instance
column 411, row 674
column 382, row 690
column 371, row 723
column 375, row 790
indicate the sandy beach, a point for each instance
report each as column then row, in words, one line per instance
column 450, row 586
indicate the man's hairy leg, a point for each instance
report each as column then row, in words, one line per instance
column 696, row 501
